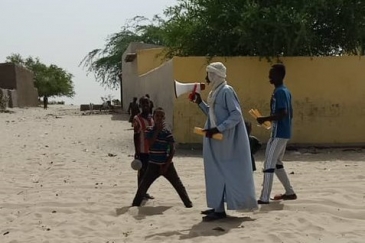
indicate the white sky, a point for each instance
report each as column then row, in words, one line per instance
column 63, row 32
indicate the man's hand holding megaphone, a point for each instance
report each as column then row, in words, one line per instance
column 197, row 98
column 192, row 88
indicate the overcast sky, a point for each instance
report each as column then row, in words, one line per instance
column 63, row 32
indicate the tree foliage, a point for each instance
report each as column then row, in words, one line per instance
column 264, row 28
column 106, row 63
column 49, row 80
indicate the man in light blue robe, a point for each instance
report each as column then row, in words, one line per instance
column 227, row 162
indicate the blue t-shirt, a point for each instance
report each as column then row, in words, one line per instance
column 281, row 99
column 159, row 151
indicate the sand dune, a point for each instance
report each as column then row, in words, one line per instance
column 66, row 177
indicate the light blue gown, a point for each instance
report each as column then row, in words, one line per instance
column 227, row 162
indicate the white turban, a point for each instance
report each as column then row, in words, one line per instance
column 217, row 76
column 218, row 68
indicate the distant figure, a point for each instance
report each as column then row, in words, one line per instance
column 133, row 110
column 91, row 107
column 106, row 105
column 45, row 102
column 110, row 106
column 151, row 103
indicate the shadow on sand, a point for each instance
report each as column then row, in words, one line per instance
column 215, row 228
column 142, row 212
column 273, row 206
column 119, row 116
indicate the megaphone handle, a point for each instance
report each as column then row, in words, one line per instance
column 192, row 95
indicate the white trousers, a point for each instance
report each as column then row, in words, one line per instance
column 275, row 150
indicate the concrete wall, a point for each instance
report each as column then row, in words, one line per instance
column 14, row 77
column 4, row 98
column 328, row 96
column 7, row 76
column 159, row 84
column 130, row 74
column 13, row 98
column 149, row 59
column 27, row 93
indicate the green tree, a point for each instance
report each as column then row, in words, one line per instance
column 106, row 63
column 49, row 80
column 264, row 28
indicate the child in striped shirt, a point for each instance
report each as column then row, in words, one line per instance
column 161, row 152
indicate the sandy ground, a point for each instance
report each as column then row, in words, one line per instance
column 66, row 177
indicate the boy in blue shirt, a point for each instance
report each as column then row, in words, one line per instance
column 281, row 118
column 161, row 151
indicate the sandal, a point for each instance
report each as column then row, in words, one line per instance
column 208, row 211
column 285, row 197
column 262, row 202
column 214, row 216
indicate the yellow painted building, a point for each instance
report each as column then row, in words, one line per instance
column 328, row 94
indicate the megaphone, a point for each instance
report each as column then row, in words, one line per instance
column 192, row 88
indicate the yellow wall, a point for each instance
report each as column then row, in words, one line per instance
column 148, row 59
column 328, row 96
